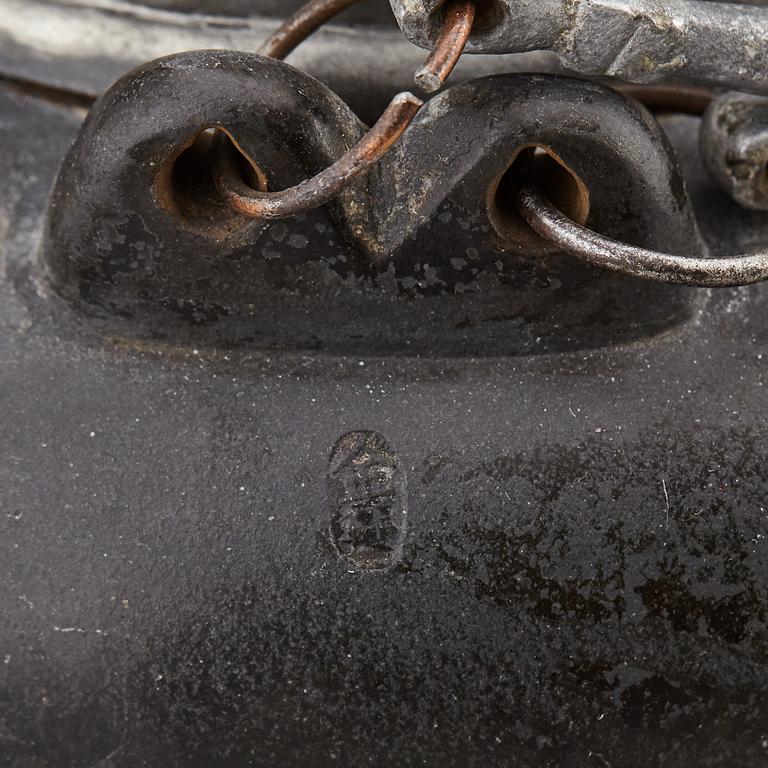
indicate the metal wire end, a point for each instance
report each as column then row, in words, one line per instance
column 327, row 184
column 553, row 225
column 450, row 45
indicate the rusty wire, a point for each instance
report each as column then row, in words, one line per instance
column 551, row 224
column 325, row 185
column 544, row 218
column 328, row 184
column 454, row 35
column 299, row 26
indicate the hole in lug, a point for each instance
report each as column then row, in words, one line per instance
column 185, row 188
column 542, row 166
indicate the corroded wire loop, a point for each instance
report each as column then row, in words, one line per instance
column 551, row 224
column 329, row 183
column 325, row 185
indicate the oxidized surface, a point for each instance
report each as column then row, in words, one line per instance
column 584, row 574
column 425, row 255
column 640, row 41
column 734, row 147
column 368, row 497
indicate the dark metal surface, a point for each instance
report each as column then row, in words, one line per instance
column 432, row 223
column 258, row 201
column 391, row 482
column 734, row 147
column 580, row 572
column 364, row 11
column 72, row 48
column 676, row 98
column 643, row 41
column 458, row 161
column 324, row 186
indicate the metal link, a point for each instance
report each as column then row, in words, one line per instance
column 719, row 44
column 552, row 225
column 327, row 185
column 544, row 218
column 733, row 144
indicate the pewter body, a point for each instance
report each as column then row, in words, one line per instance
column 639, row 41
column 734, row 147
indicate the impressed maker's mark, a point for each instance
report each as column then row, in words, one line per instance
column 367, row 490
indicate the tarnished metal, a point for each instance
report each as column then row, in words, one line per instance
column 435, row 220
column 572, row 526
column 639, row 41
column 366, row 11
column 395, row 479
column 454, row 34
column 311, row 193
column 734, row 146
column 327, row 184
column 681, row 99
column 550, row 223
column 448, row 185
column 71, row 47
